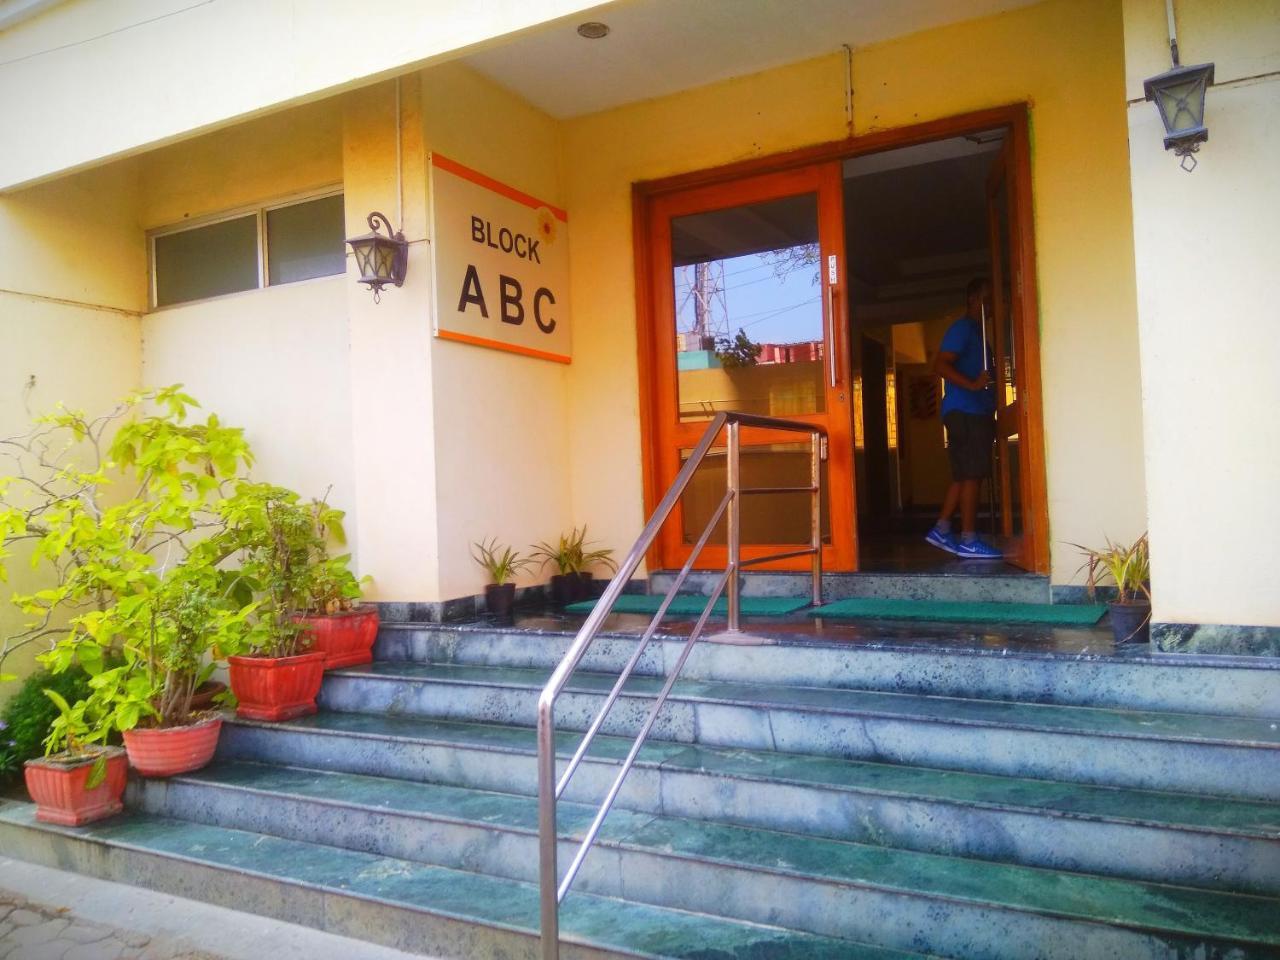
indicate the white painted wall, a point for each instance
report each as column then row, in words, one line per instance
column 1209, row 315
column 276, row 362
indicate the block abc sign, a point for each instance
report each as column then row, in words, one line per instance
column 501, row 265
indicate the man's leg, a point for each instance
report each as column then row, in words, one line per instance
column 949, row 504
column 969, row 492
column 940, row 536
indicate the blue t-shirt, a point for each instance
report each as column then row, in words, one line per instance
column 964, row 339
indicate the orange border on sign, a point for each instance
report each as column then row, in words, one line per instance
column 478, row 178
column 499, row 345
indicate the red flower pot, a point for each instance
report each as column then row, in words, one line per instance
column 276, row 688
column 59, row 791
column 346, row 638
column 164, row 751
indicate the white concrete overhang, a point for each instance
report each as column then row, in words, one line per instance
column 83, row 82
column 660, row 47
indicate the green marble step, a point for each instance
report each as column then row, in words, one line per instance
column 1091, row 721
column 350, row 882
column 1164, row 837
column 664, row 849
column 1180, row 811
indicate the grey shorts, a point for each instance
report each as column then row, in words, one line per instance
column 969, row 440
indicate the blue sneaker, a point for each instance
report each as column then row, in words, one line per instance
column 943, row 541
column 977, row 550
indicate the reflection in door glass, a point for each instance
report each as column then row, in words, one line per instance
column 748, row 309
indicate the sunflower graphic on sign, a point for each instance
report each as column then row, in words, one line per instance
column 547, row 226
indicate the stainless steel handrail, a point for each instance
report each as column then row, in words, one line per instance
column 554, row 888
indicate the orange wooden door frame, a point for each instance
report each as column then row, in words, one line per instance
column 1015, row 119
column 672, row 435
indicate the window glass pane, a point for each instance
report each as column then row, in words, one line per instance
column 748, row 309
column 207, row 261
column 306, row 240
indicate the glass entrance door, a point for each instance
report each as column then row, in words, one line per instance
column 1008, row 345
column 749, row 310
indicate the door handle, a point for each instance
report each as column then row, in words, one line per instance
column 832, row 364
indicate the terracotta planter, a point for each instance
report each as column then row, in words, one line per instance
column 59, row 791
column 164, row 751
column 202, row 699
column 276, row 688
column 346, row 638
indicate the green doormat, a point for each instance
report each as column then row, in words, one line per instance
column 1059, row 614
column 686, row 604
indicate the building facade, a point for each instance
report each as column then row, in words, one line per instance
column 1137, row 347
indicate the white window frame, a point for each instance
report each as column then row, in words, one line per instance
column 259, row 211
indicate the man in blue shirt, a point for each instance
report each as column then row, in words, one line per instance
column 968, row 410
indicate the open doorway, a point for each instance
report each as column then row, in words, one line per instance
column 921, row 222
column 748, row 302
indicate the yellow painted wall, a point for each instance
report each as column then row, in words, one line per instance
column 391, row 372
column 1207, row 305
column 72, row 283
column 1083, row 233
column 501, row 420
column 255, row 162
column 185, row 68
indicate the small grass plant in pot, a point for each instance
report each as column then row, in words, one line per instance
column 587, row 559
column 501, row 563
column 572, row 559
column 120, row 513
column 79, row 779
column 1128, row 569
column 274, row 674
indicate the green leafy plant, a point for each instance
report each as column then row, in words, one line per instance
column 1126, row 566
column 123, row 514
column 741, row 351
column 29, row 714
column 332, row 586
column 285, row 567
column 273, row 535
column 108, row 508
column 570, row 553
column 499, row 561
column 73, row 735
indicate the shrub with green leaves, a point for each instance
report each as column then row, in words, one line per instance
column 163, row 555
column 121, row 513
column 282, row 545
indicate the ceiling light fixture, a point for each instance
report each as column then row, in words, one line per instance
column 593, row 30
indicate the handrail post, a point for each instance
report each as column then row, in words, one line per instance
column 815, row 519
column 734, row 480
column 548, row 871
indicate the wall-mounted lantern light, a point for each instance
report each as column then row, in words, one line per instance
column 382, row 258
column 1179, row 96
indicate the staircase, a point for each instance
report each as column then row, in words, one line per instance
column 800, row 800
